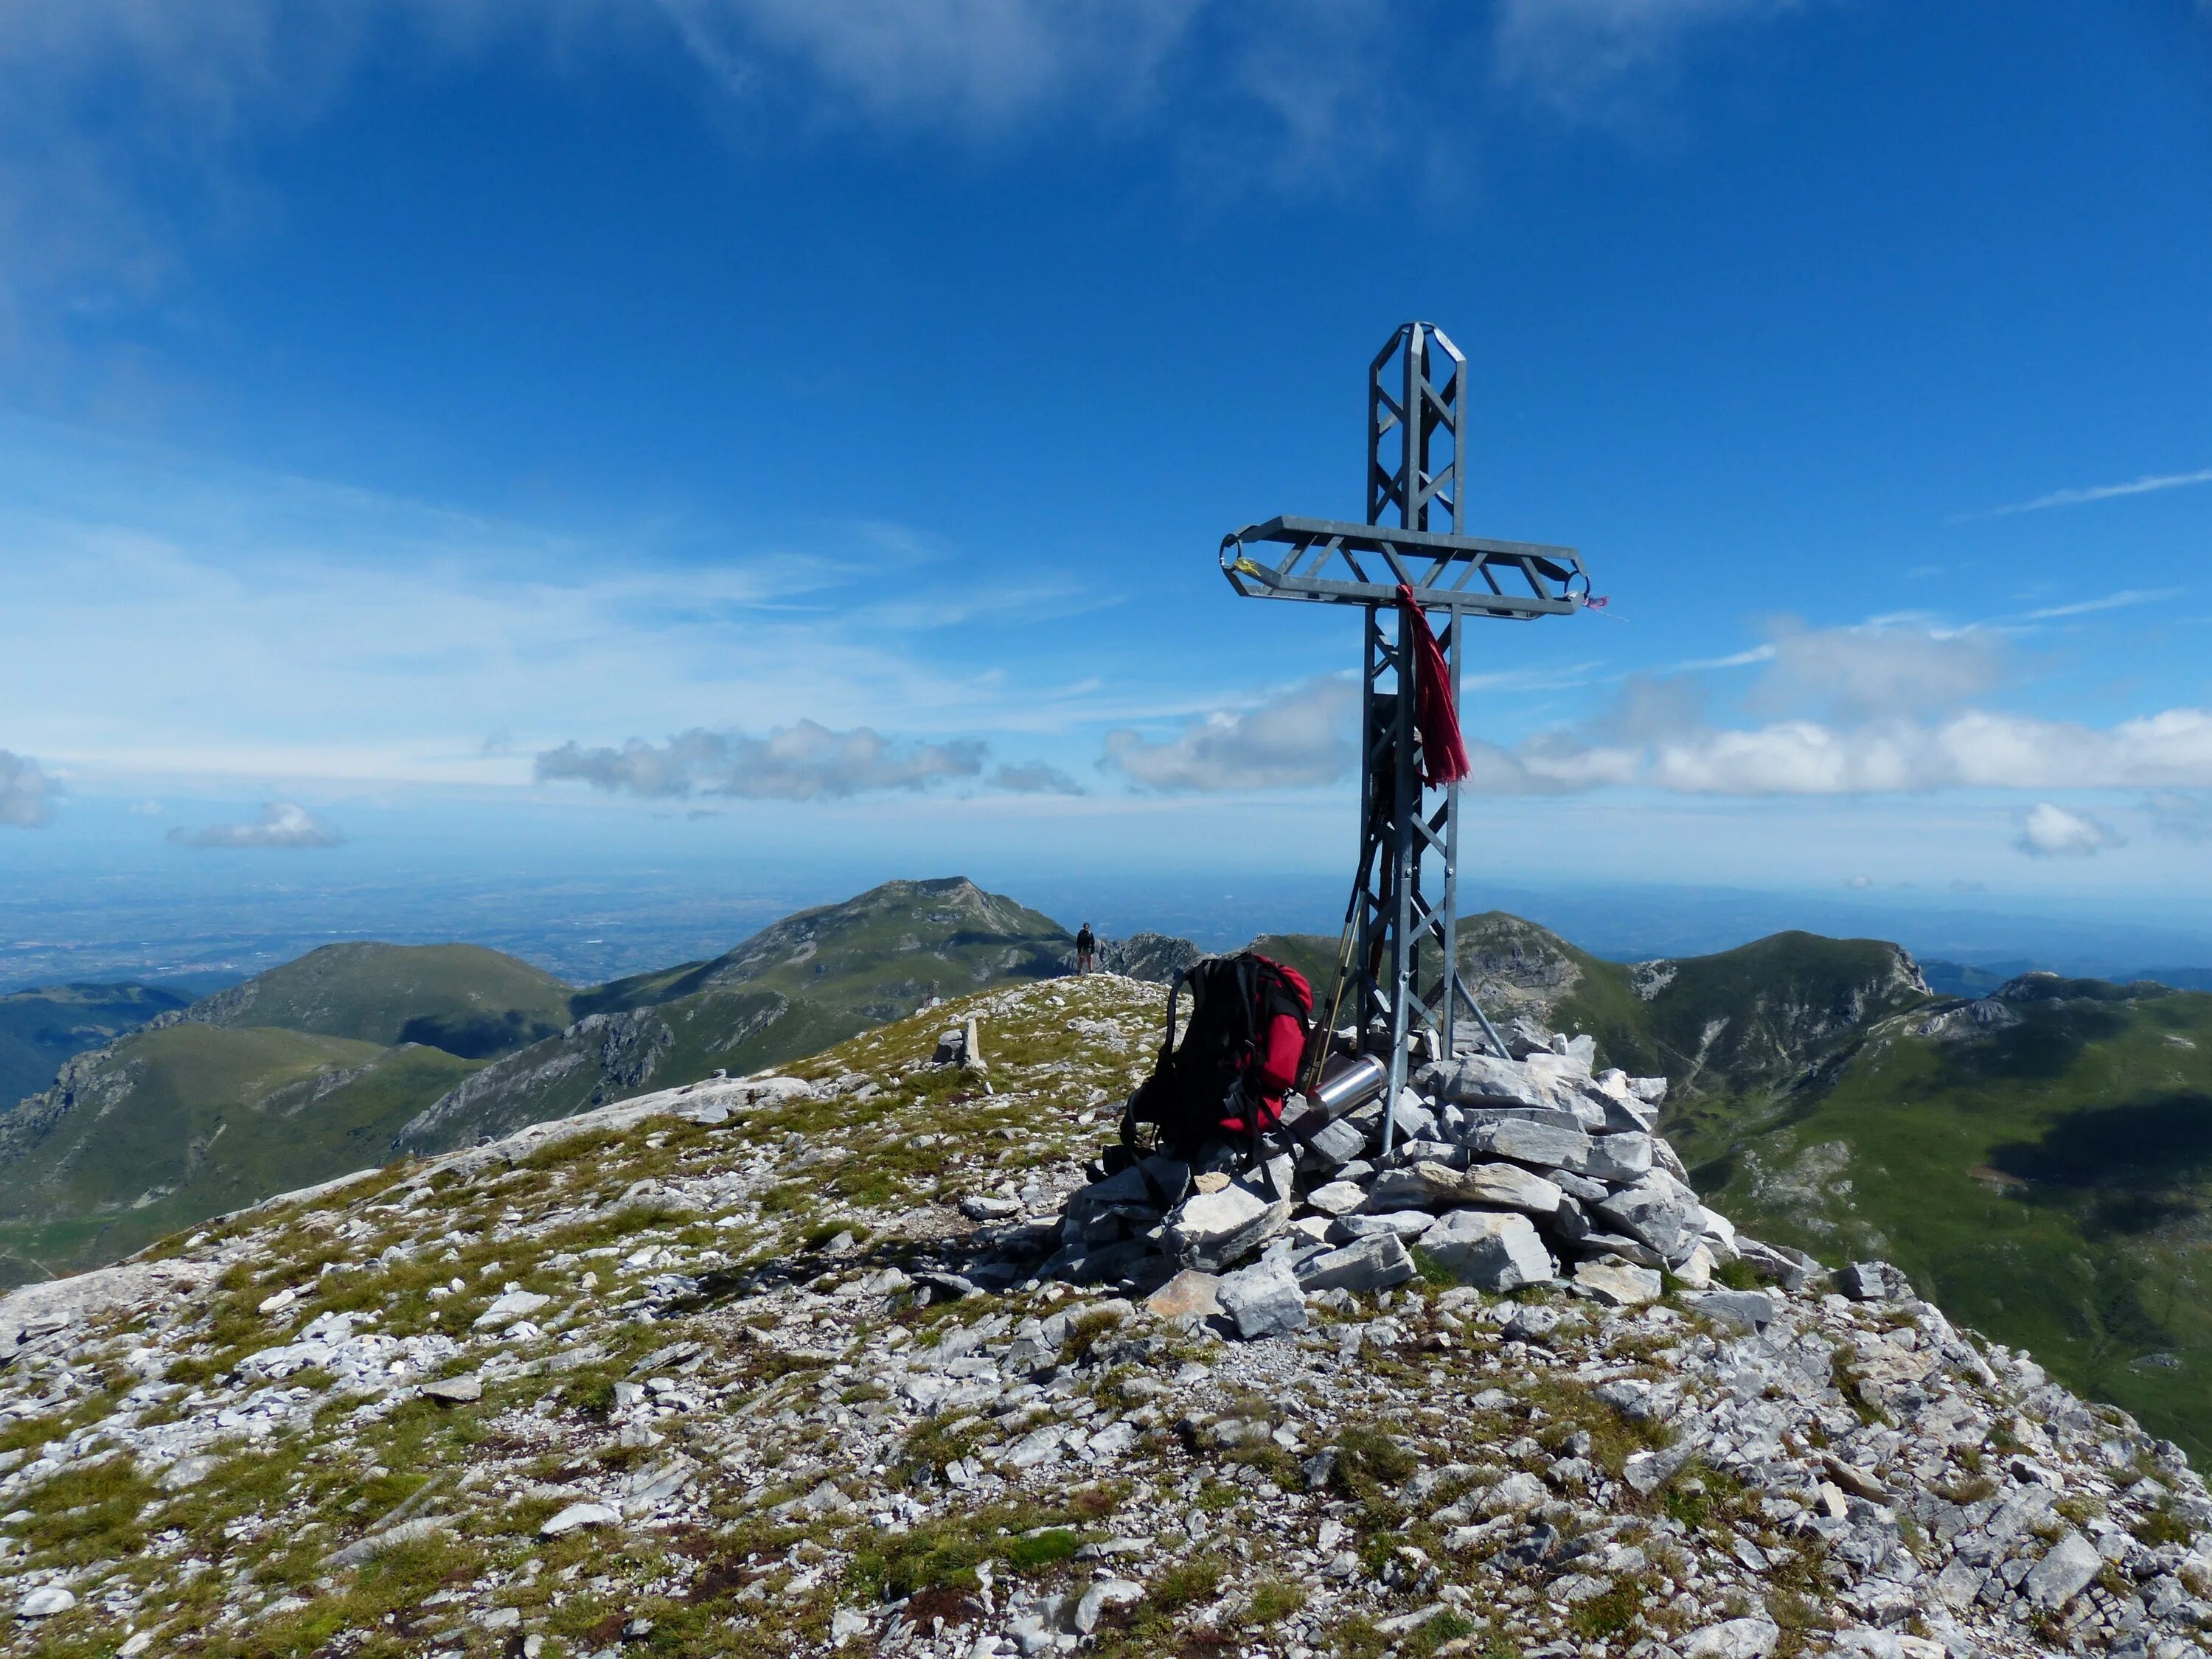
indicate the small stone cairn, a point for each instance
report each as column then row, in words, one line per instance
column 1504, row 1172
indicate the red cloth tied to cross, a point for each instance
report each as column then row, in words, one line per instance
column 1436, row 721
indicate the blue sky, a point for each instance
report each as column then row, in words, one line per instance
column 789, row 431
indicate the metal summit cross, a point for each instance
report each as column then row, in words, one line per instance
column 1401, row 905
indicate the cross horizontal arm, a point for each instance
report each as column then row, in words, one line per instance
column 1332, row 563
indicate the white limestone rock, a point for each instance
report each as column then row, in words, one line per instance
column 1406, row 1225
column 1487, row 1080
column 1695, row 1270
column 44, row 1602
column 1332, row 1147
column 1337, row 1198
column 1104, row 1593
column 506, row 1309
column 2065, row 1573
column 577, row 1515
column 1621, row 1158
column 1873, row 1281
column 1527, row 1141
column 1650, row 1214
column 1263, row 1299
column 1617, row 1283
column 1214, row 1231
column 1490, row 1249
column 1734, row 1638
column 1372, row 1263
column 1428, row 1185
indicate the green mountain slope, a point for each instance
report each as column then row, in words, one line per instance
column 316, row 1068
column 171, row 1126
column 2040, row 1161
column 811, row 981
column 1739, row 1024
column 294, row 1076
column 41, row 1029
column 466, row 1000
column 1736, row 1023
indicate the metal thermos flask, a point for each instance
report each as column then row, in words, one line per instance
column 1348, row 1082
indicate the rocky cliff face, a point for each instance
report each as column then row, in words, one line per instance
column 601, row 1056
column 1784, row 1030
column 1156, row 957
column 1770, row 1015
column 781, row 1365
column 91, row 1081
column 41, row 1029
column 1514, row 967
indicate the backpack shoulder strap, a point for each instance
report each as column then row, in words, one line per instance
column 1174, row 995
column 1284, row 990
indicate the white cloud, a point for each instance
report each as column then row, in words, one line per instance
column 1584, row 59
column 1551, row 763
column 24, row 792
column 962, row 63
column 1893, row 702
column 804, row 762
column 1300, row 739
column 1878, row 670
column 2047, row 831
column 1971, row 749
column 2143, row 486
column 1861, row 883
column 1035, row 778
column 2180, row 815
column 282, row 824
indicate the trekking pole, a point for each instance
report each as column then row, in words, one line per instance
column 1311, row 1080
column 1327, row 1032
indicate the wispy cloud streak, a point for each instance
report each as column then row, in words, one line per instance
column 2143, row 486
column 2121, row 600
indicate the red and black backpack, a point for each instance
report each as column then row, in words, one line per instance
column 1250, row 1019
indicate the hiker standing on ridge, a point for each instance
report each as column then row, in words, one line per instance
column 1087, row 949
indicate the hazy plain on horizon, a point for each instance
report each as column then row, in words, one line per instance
column 589, row 923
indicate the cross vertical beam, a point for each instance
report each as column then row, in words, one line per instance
column 1428, row 372
column 1406, row 900
column 1415, row 403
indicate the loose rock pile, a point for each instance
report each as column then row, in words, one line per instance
column 1503, row 1172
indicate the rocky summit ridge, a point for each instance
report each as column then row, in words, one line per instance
column 855, row 1358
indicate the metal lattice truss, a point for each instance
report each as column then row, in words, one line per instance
column 1337, row 563
column 1430, row 374
column 1402, row 932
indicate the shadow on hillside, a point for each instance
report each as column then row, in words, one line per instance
column 2045, row 1046
column 988, row 1260
column 477, row 1036
column 2131, row 1161
column 640, row 990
